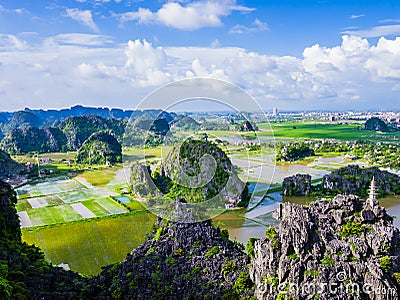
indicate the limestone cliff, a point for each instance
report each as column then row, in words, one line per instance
column 321, row 250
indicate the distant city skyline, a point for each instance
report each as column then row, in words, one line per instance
column 294, row 55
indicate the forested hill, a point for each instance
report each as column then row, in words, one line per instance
column 54, row 131
column 69, row 135
column 48, row 117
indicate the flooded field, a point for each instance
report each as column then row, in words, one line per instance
column 64, row 199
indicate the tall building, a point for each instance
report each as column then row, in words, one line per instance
column 274, row 111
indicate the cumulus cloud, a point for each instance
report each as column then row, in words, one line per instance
column 257, row 26
column 194, row 15
column 348, row 74
column 82, row 16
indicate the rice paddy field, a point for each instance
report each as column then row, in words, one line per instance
column 88, row 245
column 314, row 130
column 63, row 200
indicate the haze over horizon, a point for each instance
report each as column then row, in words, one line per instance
column 331, row 55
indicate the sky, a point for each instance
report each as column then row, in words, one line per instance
column 294, row 55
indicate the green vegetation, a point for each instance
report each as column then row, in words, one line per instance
column 67, row 136
column 319, row 130
column 271, row 233
column 351, row 228
column 228, row 268
column 274, row 280
column 385, row 263
column 377, row 124
column 87, row 246
column 250, row 246
column 327, row 261
column 184, row 162
column 158, row 233
column 312, row 273
column 24, row 272
column 212, row 251
column 98, row 178
column 292, row 151
column 293, row 256
column 243, row 283
column 100, row 148
column 396, row 276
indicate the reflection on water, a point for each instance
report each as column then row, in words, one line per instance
column 256, row 221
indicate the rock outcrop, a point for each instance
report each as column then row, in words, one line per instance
column 179, row 261
column 248, row 127
column 353, row 179
column 345, row 248
column 8, row 167
column 199, row 170
column 297, row 185
column 292, row 151
column 376, row 124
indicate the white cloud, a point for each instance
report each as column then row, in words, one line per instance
column 18, row 11
column 354, row 72
column 82, row 16
column 257, row 26
column 11, row 42
column 356, row 16
column 215, row 43
column 390, row 21
column 82, row 39
column 194, row 15
column 376, row 31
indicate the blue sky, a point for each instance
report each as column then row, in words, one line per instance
column 290, row 54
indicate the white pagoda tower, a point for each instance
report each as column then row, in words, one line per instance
column 372, row 194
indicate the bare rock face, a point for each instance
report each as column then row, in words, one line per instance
column 142, row 184
column 345, row 248
column 297, row 185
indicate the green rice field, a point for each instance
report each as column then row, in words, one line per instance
column 64, row 200
column 324, row 131
column 89, row 245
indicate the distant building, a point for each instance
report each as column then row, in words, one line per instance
column 332, row 118
column 274, row 111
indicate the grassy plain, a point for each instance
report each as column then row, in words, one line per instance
column 89, row 245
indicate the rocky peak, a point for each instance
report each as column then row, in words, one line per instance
column 339, row 242
column 179, row 261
